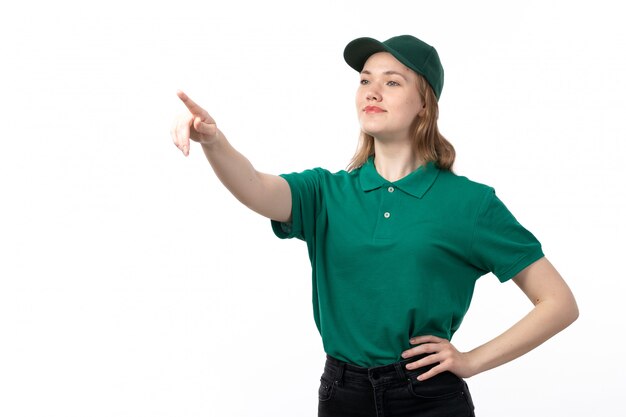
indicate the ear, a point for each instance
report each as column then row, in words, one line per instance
column 422, row 111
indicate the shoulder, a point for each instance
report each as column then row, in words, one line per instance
column 319, row 172
column 462, row 186
column 320, row 177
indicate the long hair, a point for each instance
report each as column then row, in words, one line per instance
column 428, row 143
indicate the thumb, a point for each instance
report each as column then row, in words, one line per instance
column 209, row 129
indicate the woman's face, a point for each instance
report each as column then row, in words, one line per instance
column 387, row 100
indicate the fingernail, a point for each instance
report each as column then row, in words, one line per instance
column 404, row 355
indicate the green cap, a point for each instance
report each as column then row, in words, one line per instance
column 412, row 52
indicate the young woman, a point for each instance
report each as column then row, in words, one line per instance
column 396, row 244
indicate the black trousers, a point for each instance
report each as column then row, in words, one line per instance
column 390, row 391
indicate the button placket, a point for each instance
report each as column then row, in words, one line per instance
column 390, row 189
column 388, row 197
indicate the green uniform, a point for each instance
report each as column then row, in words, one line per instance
column 394, row 260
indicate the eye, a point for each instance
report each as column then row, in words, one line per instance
column 363, row 82
column 392, row 83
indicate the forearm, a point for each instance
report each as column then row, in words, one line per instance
column 232, row 168
column 263, row 193
column 545, row 320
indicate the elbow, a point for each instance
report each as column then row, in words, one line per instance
column 563, row 311
column 574, row 312
column 569, row 311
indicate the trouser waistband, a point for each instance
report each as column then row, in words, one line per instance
column 378, row 375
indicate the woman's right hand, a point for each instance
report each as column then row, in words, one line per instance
column 196, row 125
column 268, row 195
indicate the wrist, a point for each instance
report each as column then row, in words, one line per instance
column 214, row 142
column 474, row 363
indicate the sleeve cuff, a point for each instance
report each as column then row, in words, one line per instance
column 518, row 266
column 282, row 230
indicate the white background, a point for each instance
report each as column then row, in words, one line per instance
column 133, row 284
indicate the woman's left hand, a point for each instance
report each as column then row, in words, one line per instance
column 440, row 351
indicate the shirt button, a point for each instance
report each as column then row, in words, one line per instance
column 391, row 189
column 387, row 215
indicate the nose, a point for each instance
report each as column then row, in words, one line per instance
column 372, row 96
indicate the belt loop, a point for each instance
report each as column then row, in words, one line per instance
column 401, row 370
column 339, row 375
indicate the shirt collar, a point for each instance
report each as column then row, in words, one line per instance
column 417, row 183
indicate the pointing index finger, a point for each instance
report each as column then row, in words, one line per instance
column 194, row 108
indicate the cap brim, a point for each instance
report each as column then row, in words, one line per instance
column 359, row 50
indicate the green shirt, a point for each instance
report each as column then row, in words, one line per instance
column 394, row 260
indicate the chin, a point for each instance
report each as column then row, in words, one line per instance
column 372, row 130
column 377, row 133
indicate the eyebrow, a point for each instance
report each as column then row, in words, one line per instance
column 386, row 73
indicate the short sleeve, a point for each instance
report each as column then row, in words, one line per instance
column 305, row 203
column 500, row 244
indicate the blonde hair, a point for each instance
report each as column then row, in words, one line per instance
column 428, row 143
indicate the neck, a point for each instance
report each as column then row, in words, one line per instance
column 395, row 160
